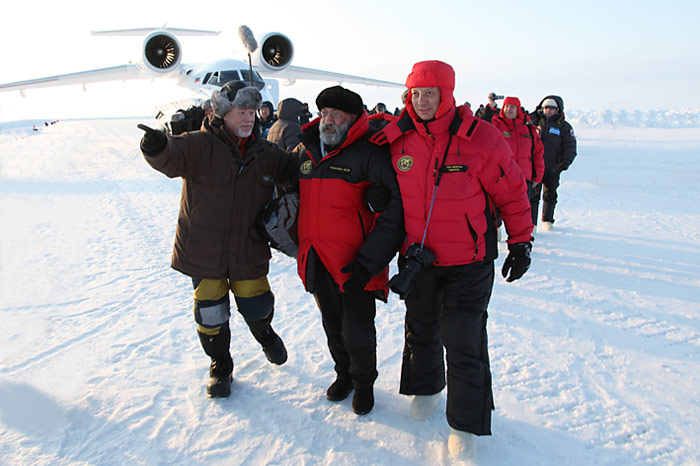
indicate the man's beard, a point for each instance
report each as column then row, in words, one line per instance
column 332, row 139
column 241, row 133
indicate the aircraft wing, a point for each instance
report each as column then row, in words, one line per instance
column 292, row 73
column 114, row 73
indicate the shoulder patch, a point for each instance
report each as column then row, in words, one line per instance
column 405, row 163
column 306, row 167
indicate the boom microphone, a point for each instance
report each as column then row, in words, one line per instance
column 248, row 39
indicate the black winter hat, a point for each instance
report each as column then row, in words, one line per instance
column 340, row 98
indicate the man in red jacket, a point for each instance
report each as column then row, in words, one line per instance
column 453, row 169
column 525, row 143
column 344, row 247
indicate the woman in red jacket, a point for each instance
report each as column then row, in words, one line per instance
column 526, row 145
column 453, row 169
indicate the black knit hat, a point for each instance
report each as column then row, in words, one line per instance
column 340, row 98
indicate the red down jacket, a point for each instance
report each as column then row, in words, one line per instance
column 334, row 221
column 477, row 174
column 524, row 141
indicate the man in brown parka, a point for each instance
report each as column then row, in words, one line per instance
column 228, row 175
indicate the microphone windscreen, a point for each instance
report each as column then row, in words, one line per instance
column 248, row 38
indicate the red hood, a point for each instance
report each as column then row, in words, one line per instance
column 512, row 101
column 432, row 73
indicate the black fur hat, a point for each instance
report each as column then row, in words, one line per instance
column 340, row 98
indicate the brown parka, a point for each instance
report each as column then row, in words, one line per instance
column 222, row 193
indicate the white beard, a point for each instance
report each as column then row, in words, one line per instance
column 332, row 139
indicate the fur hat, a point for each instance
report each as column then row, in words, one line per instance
column 235, row 94
column 340, row 98
column 549, row 103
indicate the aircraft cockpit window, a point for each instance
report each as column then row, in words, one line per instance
column 258, row 81
column 226, row 76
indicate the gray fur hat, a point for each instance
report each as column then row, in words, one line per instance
column 235, row 94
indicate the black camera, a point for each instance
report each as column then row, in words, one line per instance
column 416, row 258
column 496, row 97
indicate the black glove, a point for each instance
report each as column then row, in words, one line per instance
column 377, row 197
column 517, row 262
column 563, row 166
column 359, row 277
column 153, row 142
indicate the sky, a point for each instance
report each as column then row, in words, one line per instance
column 595, row 54
column 594, row 352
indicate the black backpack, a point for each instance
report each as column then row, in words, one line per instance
column 277, row 223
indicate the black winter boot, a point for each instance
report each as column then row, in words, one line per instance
column 221, row 368
column 548, row 211
column 340, row 389
column 221, row 375
column 363, row 400
column 272, row 344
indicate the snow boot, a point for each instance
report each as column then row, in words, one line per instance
column 363, row 400
column 461, row 445
column 276, row 353
column 545, row 226
column 340, row 389
column 221, row 368
column 272, row 344
column 220, row 378
column 423, row 406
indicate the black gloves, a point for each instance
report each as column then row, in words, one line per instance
column 153, row 142
column 518, row 261
column 359, row 277
column 563, row 166
column 377, row 197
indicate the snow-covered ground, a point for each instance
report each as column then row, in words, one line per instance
column 595, row 351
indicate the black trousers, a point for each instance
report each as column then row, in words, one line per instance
column 348, row 320
column 548, row 188
column 448, row 306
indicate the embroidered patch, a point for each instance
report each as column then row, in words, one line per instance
column 306, row 167
column 405, row 163
column 506, row 134
column 554, row 130
column 340, row 169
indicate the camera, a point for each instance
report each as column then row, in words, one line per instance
column 496, row 97
column 416, row 258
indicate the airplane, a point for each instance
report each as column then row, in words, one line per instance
column 161, row 55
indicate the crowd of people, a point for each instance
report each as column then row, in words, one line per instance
column 430, row 182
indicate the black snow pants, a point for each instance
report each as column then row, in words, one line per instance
column 548, row 188
column 448, row 306
column 348, row 320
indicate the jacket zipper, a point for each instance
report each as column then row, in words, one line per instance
column 474, row 237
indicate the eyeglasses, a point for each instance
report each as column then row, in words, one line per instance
column 334, row 115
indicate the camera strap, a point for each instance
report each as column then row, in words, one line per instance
column 437, row 183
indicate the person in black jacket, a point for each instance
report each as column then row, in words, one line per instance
column 345, row 247
column 559, row 152
column 285, row 131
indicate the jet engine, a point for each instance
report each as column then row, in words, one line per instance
column 161, row 53
column 275, row 52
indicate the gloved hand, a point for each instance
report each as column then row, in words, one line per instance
column 517, row 262
column 359, row 277
column 377, row 197
column 563, row 166
column 153, row 141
